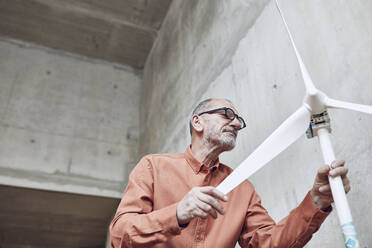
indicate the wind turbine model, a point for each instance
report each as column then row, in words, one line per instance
column 313, row 109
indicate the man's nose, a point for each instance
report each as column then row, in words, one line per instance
column 236, row 123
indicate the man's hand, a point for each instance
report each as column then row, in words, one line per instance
column 321, row 191
column 199, row 202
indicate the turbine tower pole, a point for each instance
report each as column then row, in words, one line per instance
column 320, row 126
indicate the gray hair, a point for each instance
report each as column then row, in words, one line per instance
column 201, row 107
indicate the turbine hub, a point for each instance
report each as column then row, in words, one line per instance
column 315, row 101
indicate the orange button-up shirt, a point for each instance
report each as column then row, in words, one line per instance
column 146, row 216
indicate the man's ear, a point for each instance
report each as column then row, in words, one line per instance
column 197, row 123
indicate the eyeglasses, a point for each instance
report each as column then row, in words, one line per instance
column 229, row 114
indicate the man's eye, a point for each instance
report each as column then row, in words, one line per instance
column 229, row 115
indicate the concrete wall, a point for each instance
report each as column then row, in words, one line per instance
column 196, row 42
column 239, row 50
column 66, row 123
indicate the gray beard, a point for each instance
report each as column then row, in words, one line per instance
column 225, row 141
column 228, row 142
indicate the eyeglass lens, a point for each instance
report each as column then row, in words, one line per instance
column 230, row 114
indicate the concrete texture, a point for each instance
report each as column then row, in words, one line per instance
column 35, row 218
column 196, row 42
column 239, row 50
column 66, row 124
column 113, row 30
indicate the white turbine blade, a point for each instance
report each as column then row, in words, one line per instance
column 332, row 103
column 287, row 133
column 309, row 85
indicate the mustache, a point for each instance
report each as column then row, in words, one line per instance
column 230, row 129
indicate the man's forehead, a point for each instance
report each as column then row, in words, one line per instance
column 219, row 103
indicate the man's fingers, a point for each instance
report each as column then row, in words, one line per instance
column 199, row 213
column 202, row 201
column 214, row 192
column 325, row 189
column 337, row 163
column 206, row 208
column 335, row 169
column 338, row 171
column 347, row 188
column 213, row 202
column 345, row 181
column 323, row 173
column 321, row 192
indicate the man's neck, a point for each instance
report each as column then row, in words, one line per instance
column 206, row 155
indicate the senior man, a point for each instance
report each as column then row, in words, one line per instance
column 171, row 199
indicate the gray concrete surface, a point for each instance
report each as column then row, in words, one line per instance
column 45, row 219
column 66, row 124
column 196, row 42
column 239, row 50
column 121, row 31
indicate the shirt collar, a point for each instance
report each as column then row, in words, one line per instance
column 195, row 164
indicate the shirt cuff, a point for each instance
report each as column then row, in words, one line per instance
column 167, row 218
column 312, row 212
column 313, row 216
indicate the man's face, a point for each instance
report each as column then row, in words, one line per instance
column 219, row 130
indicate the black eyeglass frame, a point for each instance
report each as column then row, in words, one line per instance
column 240, row 119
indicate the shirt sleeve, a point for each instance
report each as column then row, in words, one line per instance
column 293, row 231
column 136, row 224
